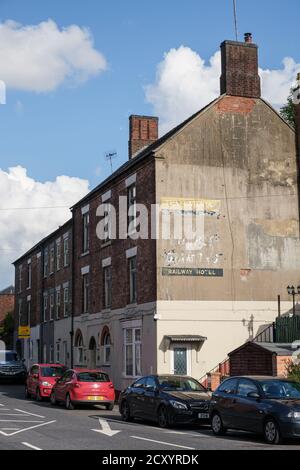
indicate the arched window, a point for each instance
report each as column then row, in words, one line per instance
column 79, row 346
column 106, row 344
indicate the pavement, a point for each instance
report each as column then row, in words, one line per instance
column 27, row 424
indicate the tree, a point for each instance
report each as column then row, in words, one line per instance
column 7, row 328
column 288, row 111
column 293, row 370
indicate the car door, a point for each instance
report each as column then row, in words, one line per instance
column 137, row 398
column 67, row 383
column 248, row 410
column 224, row 399
column 151, row 398
column 59, row 387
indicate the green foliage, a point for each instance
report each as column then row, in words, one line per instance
column 288, row 111
column 7, row 328
column 293, row 371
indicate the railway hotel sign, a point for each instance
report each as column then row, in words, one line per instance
column 201, row 272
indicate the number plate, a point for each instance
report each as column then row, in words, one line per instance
column 95, row 398
column 203, row 415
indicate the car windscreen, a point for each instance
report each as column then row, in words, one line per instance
column 92, row 377
column 52, row 371
column 281, row 389
column 180, row 384
column 8, row 356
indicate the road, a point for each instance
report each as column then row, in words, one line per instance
column 27, row 424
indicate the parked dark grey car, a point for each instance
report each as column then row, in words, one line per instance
column 12, row 369
column 166, row 399
column 264, row 405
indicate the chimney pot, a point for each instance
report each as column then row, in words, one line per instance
column 248, row 38
column 143, row 131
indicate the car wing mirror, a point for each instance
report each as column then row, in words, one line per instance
column 254, row 395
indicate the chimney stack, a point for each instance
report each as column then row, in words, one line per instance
column 143, row 131
column 240, row 68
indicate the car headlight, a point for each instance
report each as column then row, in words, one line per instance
column 178, row 405
column 46, row 384
column 294, row 414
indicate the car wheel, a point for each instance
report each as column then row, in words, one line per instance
column 27, row 394
column 110, row 407
column 217, row 425
column 271, row 431
column 69, row 405
column 162, row 417
column 125, row 412
column 38, row 395
column 53, row 399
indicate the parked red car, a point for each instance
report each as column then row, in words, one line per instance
column 83, row 386
column 41, row 378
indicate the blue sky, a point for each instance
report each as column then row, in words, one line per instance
column 66, row 129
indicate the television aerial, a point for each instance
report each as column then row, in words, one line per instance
column 109, row 156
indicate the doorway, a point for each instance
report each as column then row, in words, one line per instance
column 92, row 353
column 180, row 359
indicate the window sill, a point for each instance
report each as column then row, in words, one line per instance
column 86, row 253
column 133, row 305
column 106, row 310
column 105, row 244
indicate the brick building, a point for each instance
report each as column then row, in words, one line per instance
column 43, row 298
column 140, row 305
column 7, row 302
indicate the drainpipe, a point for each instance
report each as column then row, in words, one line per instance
column 72, row 292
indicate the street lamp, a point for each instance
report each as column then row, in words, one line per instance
column 293, row 292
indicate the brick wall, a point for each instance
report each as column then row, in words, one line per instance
column 143, row 131
column 146, row 257
column 240, row 69
column 7, row 302
column 280, row 365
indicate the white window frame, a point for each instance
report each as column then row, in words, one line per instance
column 107, row 286
column 85, row 232
column 134, row 345
column 66, row 252
column 57, row 304
column 29, row 274
column 132, row 299
column 131, row 209
column 51, row 306
column 66, row 302
column 52, row 260
column 85, row 292
column 45, row 308
column 58, row 255
column 46, row 262
column 57, row 353
column 106, row 348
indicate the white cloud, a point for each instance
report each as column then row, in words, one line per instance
column 41, row 57
column 21, row 229
column 184, row 83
